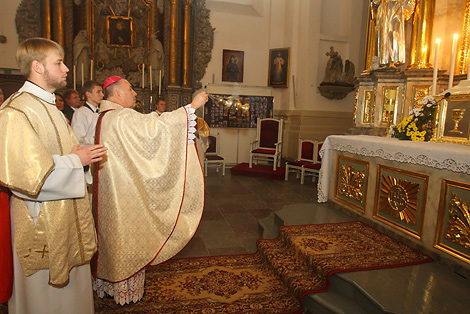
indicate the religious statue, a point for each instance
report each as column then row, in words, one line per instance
column 82, row 55
column 391, row 18
column 336, row 83
column 334, row 67
column 101, row 51
column 156, row 56
column 138, row 54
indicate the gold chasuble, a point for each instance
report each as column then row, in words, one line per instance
column 150, row 193
column 64, row 235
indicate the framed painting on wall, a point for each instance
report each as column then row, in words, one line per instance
column 119, row 31
column 279, row 67
column 232, row 66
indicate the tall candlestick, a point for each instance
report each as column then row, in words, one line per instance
column 452, row 62
column 91, row 69
column 160, row 83
column 74, row 77
column 434, row 75
column 143, row 75
column 83, row 79
column 150, row 78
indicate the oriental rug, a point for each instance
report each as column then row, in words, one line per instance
column 258, row 171
column 272, row 280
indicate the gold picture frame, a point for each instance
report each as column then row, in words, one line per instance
column 454, row 120
column 400, row 199
column 119, row 30
column 453, row 220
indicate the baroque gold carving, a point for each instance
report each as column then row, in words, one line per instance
column 458, row 229
column 399, row 198
column 351, row 183
column 419, row 92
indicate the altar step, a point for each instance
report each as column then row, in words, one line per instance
column 343, row 297
column 430, row 288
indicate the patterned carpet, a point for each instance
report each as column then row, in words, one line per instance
column 274, row 279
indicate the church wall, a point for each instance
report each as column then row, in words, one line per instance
column 8, row 29
column 309, row 28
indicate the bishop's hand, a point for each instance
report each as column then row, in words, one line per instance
column 199, row 100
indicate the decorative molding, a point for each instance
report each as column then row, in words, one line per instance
column 352, row 178
column 28, row 21
column 203, row 42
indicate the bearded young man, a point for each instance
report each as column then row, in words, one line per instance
column 148, row 194
column 53, row 233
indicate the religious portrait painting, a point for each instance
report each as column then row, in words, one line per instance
column 232, row 66
column 279, row 67
column 119, row 31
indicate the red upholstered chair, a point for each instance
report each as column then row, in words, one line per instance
column 312, row 169
column 268, row 143
column 306, row 156
column 212, row 155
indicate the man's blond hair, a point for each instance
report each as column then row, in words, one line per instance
column 35, row 49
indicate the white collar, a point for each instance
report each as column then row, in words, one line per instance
column 37, row 91
column 91, row 106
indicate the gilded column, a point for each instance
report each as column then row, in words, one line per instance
column 187, row 44
column 464, row 40
column 173, row 57
column 46, row 19
column 58, row 23
column 371, row 41
column 421, row 34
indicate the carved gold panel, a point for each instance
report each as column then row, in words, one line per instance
column 453, row 225
column 368, row 107
column 400, row 199
column 389, row 104
column 418, row 92
column 352, row 176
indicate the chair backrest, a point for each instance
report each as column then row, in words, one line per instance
column 306, row 150
column 269, row 132
column 213, row 148
column 317, row 151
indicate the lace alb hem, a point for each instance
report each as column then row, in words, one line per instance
column 124, row 291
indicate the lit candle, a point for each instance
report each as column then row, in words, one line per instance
column 91, row 69
column 74, row 77
column 434, row 75
column 160, row 83
column 143, row 75
column 150, row 78
column 83, row 79
column 452, row 62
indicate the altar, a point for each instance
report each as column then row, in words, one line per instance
column 419, row 191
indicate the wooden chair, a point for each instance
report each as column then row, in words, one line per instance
column 305, row 156
column 312, row 169
column 212, row 156
column 268, row 143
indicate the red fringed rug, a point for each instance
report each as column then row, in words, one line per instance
column 273, row 280
column 258, row 171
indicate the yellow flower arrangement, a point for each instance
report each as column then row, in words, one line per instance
column 418, row 126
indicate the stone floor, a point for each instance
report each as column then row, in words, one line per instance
column 235, row 204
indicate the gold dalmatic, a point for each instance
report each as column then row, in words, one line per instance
column 150, row 190
column 64, row 235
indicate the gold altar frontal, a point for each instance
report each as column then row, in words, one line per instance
column 419, row 192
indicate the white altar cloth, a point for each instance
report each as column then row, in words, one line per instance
column 452, row 157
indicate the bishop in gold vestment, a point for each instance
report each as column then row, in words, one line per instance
column 149, row 197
